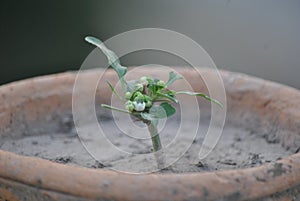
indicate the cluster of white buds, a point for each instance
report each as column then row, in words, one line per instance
column 136, row 100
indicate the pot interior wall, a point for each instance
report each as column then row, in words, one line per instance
column 44, row 105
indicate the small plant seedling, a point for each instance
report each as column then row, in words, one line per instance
column 146, row 99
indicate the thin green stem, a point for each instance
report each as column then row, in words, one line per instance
column 114, row 108
column 123, row 84
column 154, row 137
column 157, row 146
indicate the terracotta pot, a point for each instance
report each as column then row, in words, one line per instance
column 31, row 106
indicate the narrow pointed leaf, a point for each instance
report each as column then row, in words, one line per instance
column 113, row 90
column 170, row 97
column 201, row 95
column 172, row 78
column 112, row 58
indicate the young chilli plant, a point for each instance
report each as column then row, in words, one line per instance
column 146, row 99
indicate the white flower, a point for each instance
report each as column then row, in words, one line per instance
column 139, row 106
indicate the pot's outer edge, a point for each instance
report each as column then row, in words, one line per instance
column 231, row 184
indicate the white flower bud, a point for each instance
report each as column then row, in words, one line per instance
column 128, row 95
column 139, row 106
column 129, row 106
column 139, row 87
column 148, row 103
column 144, row 80
column 161, row 83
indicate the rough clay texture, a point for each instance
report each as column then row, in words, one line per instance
column 237, row 148
column 261, row 127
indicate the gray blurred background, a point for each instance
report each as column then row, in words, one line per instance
column 260, row 38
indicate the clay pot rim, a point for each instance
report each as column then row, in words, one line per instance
column 249, row 182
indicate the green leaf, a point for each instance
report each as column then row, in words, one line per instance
column 157, row 112
column 170, row 92
column 114, row 108
column 201, row 95
column 170, row 97
column 162, row 111
column 112, row 58
column 172, row 78
column 152, row 89
column 113, row 90
column 170, row 110
column 154, row 122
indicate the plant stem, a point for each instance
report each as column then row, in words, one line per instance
column 158, row 153
column 114, row 108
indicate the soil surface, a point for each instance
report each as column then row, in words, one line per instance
column 237, row 147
